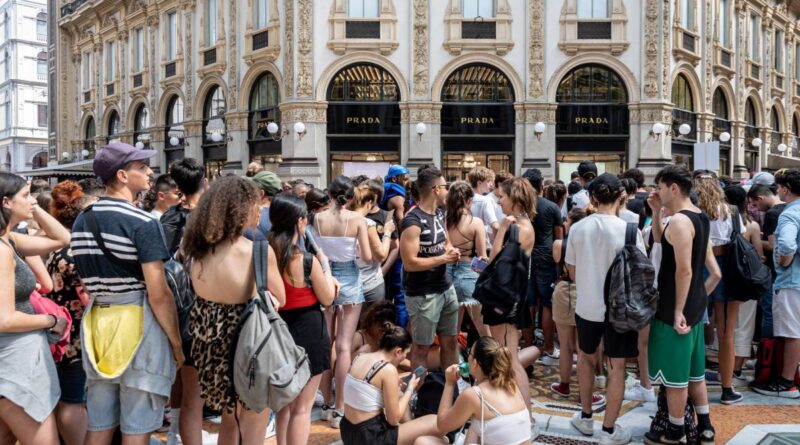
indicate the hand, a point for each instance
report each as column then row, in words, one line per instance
column 388, row 228
column 335, row 287
column 177, row 351
column 680, row 325
column 654, row 200
column 60, row 326
column 508, row 222
column 413, row 383
column 451, row 374
column 452, row 255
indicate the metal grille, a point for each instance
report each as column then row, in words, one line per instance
column 779, row 82
column 260, row 40
column 688, row 42
column 755, row 71
column 797, row 89
column 169, row 70
column 725, row 58
column 137, row 80
column 559, row 440
column 87, row 96
column 362, row 29
column 210, row 57
column 110, row 89
column 478, row 30
column 594, row 30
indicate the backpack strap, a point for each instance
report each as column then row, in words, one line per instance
column 260, row 262
column 737, row 228
column 91, row 223
column 630, row 234
column 308, row 263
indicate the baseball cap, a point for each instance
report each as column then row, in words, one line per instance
column 269, row 182
column 396, row 170
column 112, row 157
column 606, row 179
column 586, row 167
column 763, row 178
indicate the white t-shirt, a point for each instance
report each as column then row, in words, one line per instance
column 483, row 208
column 591, row 247
column 156, row 213
column 581, row 199
column 498, row 211
column 629, row 216
column 720, row 230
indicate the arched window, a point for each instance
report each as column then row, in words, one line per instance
column 722, row 124
column 750, row 113
column 776, row 138
column 682, row 94
column 113, row 126
column 751, row 152
column 592, row 83
column 39, row 160
column 215, row 104
column 478, row 83
column 719, row 106
column 363, row 83
column 173, row 130
column 141, row 123
column 683, row 111
column 264, row 101
column 775, row 120
column 214, row 132
column 174, row 111
column 41, row 65
column 88, row 137
column 41, row 27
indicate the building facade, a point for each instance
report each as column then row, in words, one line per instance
column 313, row 89
column 23, row 84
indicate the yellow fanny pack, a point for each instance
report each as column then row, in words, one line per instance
column 112, row 334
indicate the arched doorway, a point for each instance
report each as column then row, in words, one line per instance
column 478, row 121
column 363, row 121
column 775, row 136
column 793, row 145
column 683, row 112
column 215, row 142
column 88, row 137
column 722, row 124
column 39, row 160
column 141, row 124
column 751, row 158
column 264, row 100
column 174, row 131
column 592, row 120
column 112, row 132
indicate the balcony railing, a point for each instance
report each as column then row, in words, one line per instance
column 755, row 71
column 479, row 30
column 137, row 80
column 41, row 37
column 594, row 30
column 87, row 96
column 260, row 40
column 71, row 7
column 169, row 70
column 110, row 89
column 689, row 42
column 725, row 58
column 210, row 57
column 360, row 29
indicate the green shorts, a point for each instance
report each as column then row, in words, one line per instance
column 433, row 314
column 674, row 359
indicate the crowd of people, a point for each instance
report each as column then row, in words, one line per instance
column 385, row 283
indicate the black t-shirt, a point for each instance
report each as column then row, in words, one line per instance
column 636, row 205
column 548, row 217
column 770, row 224
column 380, row 219
column 432, row 239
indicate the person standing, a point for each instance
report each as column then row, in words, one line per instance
column 394, row 202
column 482, row 181
column 676, row 352
column 587, row 171
column 166, row 195
column 270, row 185
column 786, row 303
column 499, row 178
column 592, row 245
column 430, row 296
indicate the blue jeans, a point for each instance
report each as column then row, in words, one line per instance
column 396, row 293
column 349, row 277
column 766, row 313
column 464, row 279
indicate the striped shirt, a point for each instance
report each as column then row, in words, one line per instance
column 129, row 234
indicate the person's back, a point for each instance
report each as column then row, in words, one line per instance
column 226, row 276
column 506, row 419
column 338, row 231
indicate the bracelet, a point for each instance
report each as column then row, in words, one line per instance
column 55, row 321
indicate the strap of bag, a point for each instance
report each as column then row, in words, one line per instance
column 737, row 228
column 630, row 234
column 260, row 252
column 308, row 263
column 91, row 223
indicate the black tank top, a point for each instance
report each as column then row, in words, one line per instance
column 696, row 300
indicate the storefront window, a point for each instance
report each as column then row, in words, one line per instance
column 214, row 132
column 478, row 83
column 364, row 82
column 722, row 125
column 141, row 123
column 113, row 127
column 683, row 113
column 751, row 158
column 88, row 137
column 173, row 130
column 264, row 101
column 457, row 165
column 592, row 83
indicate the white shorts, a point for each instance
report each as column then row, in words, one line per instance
column 786, row 313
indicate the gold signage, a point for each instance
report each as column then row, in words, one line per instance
column 591, row 120
column 262, row 124
column 363, row 120
column 477, row 120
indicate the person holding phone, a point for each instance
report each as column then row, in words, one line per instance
column 373, row 406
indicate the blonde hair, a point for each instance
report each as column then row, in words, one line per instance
column 494, row 360
column 522, row 195
column 710, row 197
column 363, row 195
column 479, row 174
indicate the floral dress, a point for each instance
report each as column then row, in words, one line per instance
column 68, row 291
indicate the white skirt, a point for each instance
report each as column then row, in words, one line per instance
column 29, row 378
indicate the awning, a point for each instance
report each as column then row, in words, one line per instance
column 79, row 168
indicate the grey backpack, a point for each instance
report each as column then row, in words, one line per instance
column 269, row 369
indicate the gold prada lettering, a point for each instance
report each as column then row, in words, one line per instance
column 591, row 120
column 362, row 120
column 477, row 120
column 262, row 124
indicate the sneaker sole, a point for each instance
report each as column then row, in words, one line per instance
column 731, row 402
column 782, row 394
column 580, row 430
column 560, row 395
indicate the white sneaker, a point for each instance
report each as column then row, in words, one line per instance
column 621, row 436
column 550, row 359
column 336, row 419
column 585, row 426
column 742, row 380
column 319, row 400
column 640, row 394
column 600, row 381
column 270, row 426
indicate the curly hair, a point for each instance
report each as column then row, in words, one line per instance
column 221, row 215
column 66, row 203
column 458, row 196
column 494, row 360
column 555, row 192
column 710, row 197
column 522, row 195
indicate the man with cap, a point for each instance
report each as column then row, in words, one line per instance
column 270, row 185
column 587, row 171
column 119, row 252
column 394, row 201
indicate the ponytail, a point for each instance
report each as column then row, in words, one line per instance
column 394, row 337
column 494, row 360
column 341, row 190
column 457, row 197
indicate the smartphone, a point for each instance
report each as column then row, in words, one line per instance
column 417, row 372
column 478, row 264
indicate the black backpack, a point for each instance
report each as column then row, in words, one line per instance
column 179, row 280
column 745, row 275
column 429, row 395
column 505, row 279
column 174, row 222
column 628, row 289
column 660, row 421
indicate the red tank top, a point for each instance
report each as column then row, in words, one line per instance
column 298, row 297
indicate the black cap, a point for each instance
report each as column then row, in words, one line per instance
column 587, row 169
column 606, row 180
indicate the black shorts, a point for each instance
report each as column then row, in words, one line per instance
column 615, row 345
column 307, row 326
column 375, row 431
column 491, row 317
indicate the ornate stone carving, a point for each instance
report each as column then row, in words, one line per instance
column 288, row 57
column 313, row 112
column 709, row 61
column 187, row 64
column 665, row 54
column 536, row 49
column 233, row 72
column 540, row 114
column 421, row 69
column 305, row 60
column 651, row 49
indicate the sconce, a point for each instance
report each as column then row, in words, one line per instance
column 215, row 130
column 724, row 136
column 65, row 155
column 659, row 129
column 276, row 134
column 84, row 153
column 300, row 129
column 176, row 133
column 421, row 128
column 756, row 142
column 782, row 148
column 538, row 130
column 141, row 140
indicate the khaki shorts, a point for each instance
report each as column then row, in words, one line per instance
column 433, row 314
column 564, row 297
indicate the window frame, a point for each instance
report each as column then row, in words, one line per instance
column 41, row 66
column 87, row 71
column 682, row 94
column 363, row 15
column 753, row 31
column 172, row 36
column 41, row 21
column 138, row 49
column 592, row 4
column 778, row 50
column 210, row 32
column 40, row 113
column 111, row 70
column 478, row 9
column 724, row 23
column 687, row 15
column 260, row 10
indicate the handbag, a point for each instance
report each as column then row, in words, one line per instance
column 42, row 305
column 501, row 284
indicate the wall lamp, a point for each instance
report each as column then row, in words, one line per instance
column 659, row 129
column 421, row 128
column 538, row 130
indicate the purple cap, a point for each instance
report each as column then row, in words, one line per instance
column 112, row 157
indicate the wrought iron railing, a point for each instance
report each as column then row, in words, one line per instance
column 478, row 30
column 594, row 30
column 260, row 40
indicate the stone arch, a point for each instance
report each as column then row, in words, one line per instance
column 781, row 117
column 131, row 115
column 698, row 99
column 359, row 57
column 253, row 73
column 166, row 96
column 727, row 90
column 483, row 58
column 202, row 91
column 753, row 95
column 39, row 154
column 84, row 122
column 107, row 117
column 613, row 63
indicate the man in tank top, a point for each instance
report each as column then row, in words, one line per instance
column 676, row 349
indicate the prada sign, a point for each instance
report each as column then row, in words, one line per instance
column 482, row 119
column 363, row 118
column 592, row 120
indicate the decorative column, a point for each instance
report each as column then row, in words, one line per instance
column 236, row 122
column 737, row 127
column 416, row 149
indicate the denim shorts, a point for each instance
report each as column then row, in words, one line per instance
column 464, row 279
column 72, row 379
column 135, row 411
column 350, row 288
column 541, row 286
